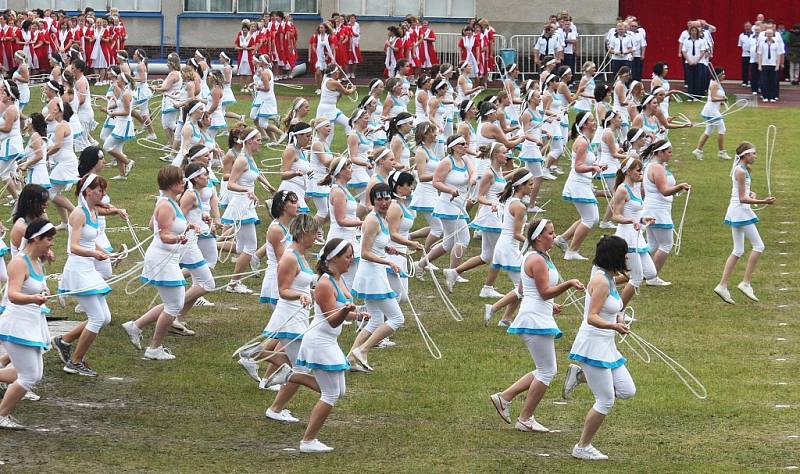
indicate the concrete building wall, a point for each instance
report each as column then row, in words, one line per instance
column 509, row 17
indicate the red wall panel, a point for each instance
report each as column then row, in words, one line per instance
column 664, row 21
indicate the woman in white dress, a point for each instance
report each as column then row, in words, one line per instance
column 295, row 164
column 11, row 145
column 321, row 157
column 119, row 112
column 330, row 92
column 425, row 195
column 64, row 169
column 343, row 207
column 713, row 117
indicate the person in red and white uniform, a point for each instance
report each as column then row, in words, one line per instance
column 355, row 44
column 428, row 57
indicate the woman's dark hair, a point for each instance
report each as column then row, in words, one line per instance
column 13, row 89
column 658, row 69
column 39, row 124
column 89, row 158
column 610, row 254
column 279, row 202
column 395, row 31
column 299, row 126
column 462, row 109
column 485, row 108
column 509, row 188
column 620, row 176
column 648, row 152
column 401, row 63
column 393, row 124
column 379, row 188
column 98, row 181
column 79, row 64
column 187, row 108
column 191, row 168
column 31, row 202
column 67, row 111
column 235, row 134
column 59, row 89
column 322, row 263
column 35, row 226
column 719, row 71
column 422, row 80
column 622, row 71
column 561, row 71
column 26, row 25
column 400, row 179
column 578, row 118
column 531, row 228
column 601, row 91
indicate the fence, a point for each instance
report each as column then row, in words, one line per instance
column 589, row 48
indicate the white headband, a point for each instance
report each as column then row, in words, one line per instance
column 464, row 64
column 469, row 105
column 121, row 56
column 45, row 229
column 746, row 152
column 194, row 107
column 89, row 178
column 648, row 99
column 376, row 84
column 299, row 103
column 222, row 54
column 200, row 152
column 369, row 100
column 627, row 165
column 511, row 68
column 340, row 166
column 523, row 180
column 337, row 250
column 440, row 84
column 358, row 115
column 293, row 135
column 321, row 124
column 539, row 228
column 52, row 87
column 611, row 114
column 657, row 90
column 197, row 173
column 663, row 147
column 567, row 71
column 405, row 121
column 583, row 120
column 249, row 136
column 448, row 70
column 383, row 154
column 551, row 62
column 637, row 135
column 455, row 142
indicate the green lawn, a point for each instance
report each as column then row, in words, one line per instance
column 415, row 414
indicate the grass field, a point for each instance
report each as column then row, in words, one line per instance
column 200, row 413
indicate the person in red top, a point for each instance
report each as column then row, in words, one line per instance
column 76, row 33
column 278, row 31
column 428, row 57
column 480, row 53
column 26, row 39
column 355, row 45
column 113, row 46
column 290, row 35
column 42, row 45
column 245, row 46
column 469, row 48
column 88, row 42
column 63, row 38
column 342, row 33
column 5, row 58
column 320, row 51
column 264, row 39
column 488, row 35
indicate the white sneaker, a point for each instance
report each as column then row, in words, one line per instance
column 536, row 210
column 557, row 170
column 607, row 225
column 280, row 376
column 236, row 286
column 574, row 255
column 204, row 302
column 314, row 446
column 255, row 262
column 419, row 270
column 723, row 293
column 487, row 314
column 119, row 177
column 657, row 281
column 548, row 176
column 530, row 425
column 450, row 278
column 461, row 279
column 251, row 367
column 159, row 353
column 129, row 167
column 318, row 92
column 503, row 323
column 589, row 453
column 562, row 243
column 61, row 226
column 490, row 292
column 32, row 397
column 180, row 329
column 501, row 406
column 697, row 154
column 9, row 423
column 361, row 358
column 747, row 290
column 571, row 380
column 431, row 266
column 284, row 416
column 723, row 155
column 134, row 334
column 385, row 343
column 152, row 136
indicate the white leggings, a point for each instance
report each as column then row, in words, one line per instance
column 321, row 203
column 535, row 168
column 208, row 247
column 659, row 239
column 488, row 243
column 456, row 232
column 28, row 363
column 515, row 278
column 641, row 267
column 751, row 232
column 331, row 385
column 202, row 277
column 556, row 148
column 384, row 310
column 607, row 384
column 3, row 271
column 399, row 284
column 434, row 222
column 543, row 351
column 291, row 348
column 589, row 213
column 104, row 268
column 173, row 298
column 169, row 120
column 97, row 313
column 246, row 240
column 350, row 274
column 342, row 120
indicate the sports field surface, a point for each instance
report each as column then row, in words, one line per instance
column 201, row 413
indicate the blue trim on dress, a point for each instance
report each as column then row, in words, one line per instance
column 540, row 331
column 325, row 367
column 662, row 226
column 162, row 282
column 249, row 220
column 740, row 223
column 23, row 342
column 450, row 217
column 598, row 363
column 508, row 268
column 492, row 230
column 282, row 335
column 531, row 160
column 421, row 208
column 99, row 291
column 193, row 265
column 580, row 200
column 267, row 300
column 373, row 296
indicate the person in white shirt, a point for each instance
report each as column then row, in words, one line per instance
column 744, row 45
column 681, row 38
column 547, row 45
column 694, row 50
column 639, row 36
column 569, row 41
column 620, row 46
column 770, row 62
column 755, row 80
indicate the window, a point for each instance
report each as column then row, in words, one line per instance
column 209, row 6
column 136, row 5
column 434, row 8
column 69, row 5
column 250, row 6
